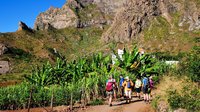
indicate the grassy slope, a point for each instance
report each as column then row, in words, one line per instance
column 161, row 37
column 37, row 47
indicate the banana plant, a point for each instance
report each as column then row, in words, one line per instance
column 41, row 77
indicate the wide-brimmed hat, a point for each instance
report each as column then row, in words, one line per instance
column 127, row 78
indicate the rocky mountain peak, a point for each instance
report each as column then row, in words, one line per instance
column 127, row 18
column 55, row 17
column 23, row 26
column 79, row 13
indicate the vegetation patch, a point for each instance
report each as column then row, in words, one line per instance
column 188, row 98
column 158, row 25
column 81, row 79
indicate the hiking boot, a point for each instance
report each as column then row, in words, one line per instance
column 110, row 105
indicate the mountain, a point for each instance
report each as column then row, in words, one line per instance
column 82, row 27
column 130, row 17
column 79, row 13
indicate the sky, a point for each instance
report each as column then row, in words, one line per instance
column 13, row 11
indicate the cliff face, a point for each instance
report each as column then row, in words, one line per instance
column 190, row 14
column 79, row 13
column 131, row 20
column 127, row 18
column 135, row 16
column 55, row 17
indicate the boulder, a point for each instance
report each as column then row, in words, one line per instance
column 4, row 67
column 3, row 49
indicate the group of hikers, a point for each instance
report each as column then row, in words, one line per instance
column 127, row 86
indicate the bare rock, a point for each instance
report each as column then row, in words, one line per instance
column 190, row 15
column 131, row 20
column 56, row 18
column 3, row 49
column 162, row 107
column 76, row 13
column 4, row 67
column 23, row 26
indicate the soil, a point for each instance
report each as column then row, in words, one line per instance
column 136, row 105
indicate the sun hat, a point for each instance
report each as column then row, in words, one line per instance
column 127, row 77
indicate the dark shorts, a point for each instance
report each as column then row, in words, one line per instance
column 145, row 90
column 138, row 90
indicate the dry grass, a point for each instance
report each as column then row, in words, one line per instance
column 166, row 83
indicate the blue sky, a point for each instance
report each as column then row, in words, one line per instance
column 13, row 11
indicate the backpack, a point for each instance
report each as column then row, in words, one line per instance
column 128, row 84
column 109, row 86
column 146, row 82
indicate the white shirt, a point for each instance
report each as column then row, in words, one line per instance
column 138, row 83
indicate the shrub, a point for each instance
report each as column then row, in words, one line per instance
column 190, row 66
column 188, row 99
column 154, row 102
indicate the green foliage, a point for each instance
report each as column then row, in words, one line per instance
column 41, row 76
column 189, row 98
column 133, row 63
column 14, row 96
column 85, row 76
column 154, row 102
column 19, row 54
column 190, row 66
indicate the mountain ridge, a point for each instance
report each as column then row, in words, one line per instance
column 154, row 25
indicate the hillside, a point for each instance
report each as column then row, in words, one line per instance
column 82, row 27
column 62, row 63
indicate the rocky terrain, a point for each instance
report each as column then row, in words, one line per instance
column 79, row 13
column 127, row 17
column 134, row 17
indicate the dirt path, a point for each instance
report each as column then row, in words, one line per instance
column 136, row 105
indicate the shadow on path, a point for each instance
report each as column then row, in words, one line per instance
column 124, row 102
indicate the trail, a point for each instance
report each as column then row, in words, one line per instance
column 135, row 105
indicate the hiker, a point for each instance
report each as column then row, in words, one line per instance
column 128, row 84
column 111, row 83
column 121, row 81
column 151, row 86
column 145, row 84
column 138, row 85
